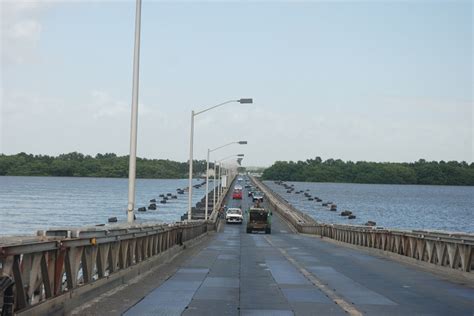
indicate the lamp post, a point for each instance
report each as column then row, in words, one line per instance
column 219, row 183
column 242, row 142
column 219, row 187
column 214, row 190
column 134, row 117
column 193, row 114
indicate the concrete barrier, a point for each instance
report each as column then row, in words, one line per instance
column 449, row 253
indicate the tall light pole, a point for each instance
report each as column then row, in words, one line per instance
column 242, row 142
column 193, row 114
column 134, row 118
column 219, row 186
column 215, row 188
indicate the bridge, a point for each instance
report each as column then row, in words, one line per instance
column 202, row 267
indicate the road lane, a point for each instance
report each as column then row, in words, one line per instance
column 290, row 274
column 375, row 285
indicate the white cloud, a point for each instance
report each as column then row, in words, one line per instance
column 20, row 30
column 104, row 106
column 28, row 30
column 16, row 103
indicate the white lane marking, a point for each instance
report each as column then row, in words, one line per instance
column 346, row 306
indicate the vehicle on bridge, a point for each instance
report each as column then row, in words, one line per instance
column 257, row 196
column 234, row 215
column 259, row 219
column 237, row 195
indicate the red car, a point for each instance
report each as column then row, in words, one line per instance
column 237, row 195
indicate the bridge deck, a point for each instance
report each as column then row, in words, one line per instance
column 290, row 274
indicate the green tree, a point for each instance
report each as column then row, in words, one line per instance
column 336, row 170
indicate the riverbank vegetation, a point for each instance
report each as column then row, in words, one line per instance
column 312, row 170
column 331, row 170
column 102, row 165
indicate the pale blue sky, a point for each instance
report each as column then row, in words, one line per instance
column 379, row 81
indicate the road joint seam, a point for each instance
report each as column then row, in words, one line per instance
column 346, row 306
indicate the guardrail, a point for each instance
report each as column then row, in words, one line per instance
column 453, row 251
column 288, row 211
column 225, row 194
column 65, row 263
column 38, row 269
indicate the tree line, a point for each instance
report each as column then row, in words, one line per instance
column 331, row 170
column 102, row 165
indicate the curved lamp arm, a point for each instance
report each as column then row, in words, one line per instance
column 244, row 100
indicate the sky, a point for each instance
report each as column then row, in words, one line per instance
column 350, row 80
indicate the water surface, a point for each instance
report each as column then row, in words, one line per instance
column 28, row 204
column 449, row 208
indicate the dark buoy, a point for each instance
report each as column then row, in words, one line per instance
column 174, row 196
column 161, row 195
column 346, row 213
column 370, row 223
column 169, row 194
column 333, row 207
column 112, row 219
column 142, row 209
column 163, row 201
column 152, row 207
column 310, row 199
column 352, row 216
column 153, row 201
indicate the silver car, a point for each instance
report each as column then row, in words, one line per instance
column 234, row 215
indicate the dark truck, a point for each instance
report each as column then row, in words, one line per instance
column 259, row 219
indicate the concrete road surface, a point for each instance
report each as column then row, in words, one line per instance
column 290, row 274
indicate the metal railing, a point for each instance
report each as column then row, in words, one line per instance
column 57, row 262
column 442, row 249
column 44, row 267
column 225, row 194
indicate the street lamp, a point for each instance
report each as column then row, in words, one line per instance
column 134, row 118
column 242, row 142
column 219, row 187
column 193, row 114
